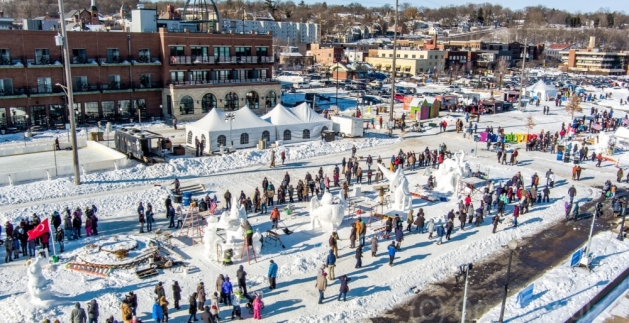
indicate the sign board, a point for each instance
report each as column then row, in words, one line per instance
column 525, row 295
column 576, row 257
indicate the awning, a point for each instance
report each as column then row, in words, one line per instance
column 378, row 65
column 397, row 68
column 387, row 65
column 407, row 68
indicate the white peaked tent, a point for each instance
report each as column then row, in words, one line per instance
column 316, row 122
column 288, row 126
column 542, row 90
column 246, row 129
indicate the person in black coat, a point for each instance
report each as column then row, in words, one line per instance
column 359, row 258
column 176, row 294
column 344, row 288
column 449, row 227
column 206, row 316
column 59, row 237
column 192, row 309
column 241, row 274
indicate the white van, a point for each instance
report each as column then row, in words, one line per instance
column 301, row 85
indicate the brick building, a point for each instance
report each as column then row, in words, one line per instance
column 118, row 75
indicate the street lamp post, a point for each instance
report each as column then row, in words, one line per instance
column 394, row 71
column 464, row 270
column 621, row 235
column 62, row 40
column 229, row 117
column 513, row 244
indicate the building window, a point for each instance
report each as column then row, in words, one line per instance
column 244, row 139
column 18, row 116
column 286, row 135
column 57, row 114
column 145, row 81
column 176, row 51
column 222, row 140
column 231, row 101
column 108, row 109
column 199, row 51
column 80, row 83
column 421, row 56
column 243, row 51
column 113, row 55
column 79, row 56
column 405, row 55
column 266, row 135
column 91, row 110
column 413, row 56
column 38, row 115
column 390, row 55
column 199, row 77
column 44, row 85
column 124, row 109
column 42, row 56
column 177, row 76
column 144, row 55
column 253, row 101
column 306, row 134
column 113, row 82
column 5, row 56
column 221, row 51
column 208, row 103
column 186, row 105
column 271, row 99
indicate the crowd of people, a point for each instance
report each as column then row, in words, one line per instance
column 66, row 228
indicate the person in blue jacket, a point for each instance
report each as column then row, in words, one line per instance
column 272, row 274
column 227, row 290
column 440, row 232
column 392, row 249
column 331, row 262
column 158, row 314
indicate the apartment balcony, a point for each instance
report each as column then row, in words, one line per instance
column 145, row 60
column 219, row 82
column 8, row 62
column 202, row 59
column 115, row 87
column 80, row 61
column 86, row 88
column 113, row 61
column 44, row 91
column 43, row 61
column 147, row 86
column 197, row 60
column 12, row 93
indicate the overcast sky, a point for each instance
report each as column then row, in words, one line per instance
column 570, row 5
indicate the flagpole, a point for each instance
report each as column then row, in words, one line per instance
column 51, row 238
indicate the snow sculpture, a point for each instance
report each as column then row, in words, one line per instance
column 326, row 214
column 233, row 237
column 398, row 185
column 450, row 172
column 38, row 286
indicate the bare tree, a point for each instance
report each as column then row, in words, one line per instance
column 530, row 124
column 574, row 105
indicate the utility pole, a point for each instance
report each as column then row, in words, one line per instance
column 394, row 71
column 526, row 51
column 68, row 73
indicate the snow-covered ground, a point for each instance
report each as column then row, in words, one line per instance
column 374, row 287
column 562, row 291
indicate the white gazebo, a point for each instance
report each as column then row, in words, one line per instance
column 542, row 90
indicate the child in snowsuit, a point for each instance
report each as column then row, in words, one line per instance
column 374, row 246
column 359, row 257
column 257, row 308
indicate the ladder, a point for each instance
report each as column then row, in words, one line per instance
column 192, row 221
column 247, row 247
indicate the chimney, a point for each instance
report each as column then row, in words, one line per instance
column 592, row 43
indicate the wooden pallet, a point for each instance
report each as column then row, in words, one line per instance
column 145, row 273
column 90, row 269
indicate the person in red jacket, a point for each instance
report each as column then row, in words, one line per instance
column 468, row 200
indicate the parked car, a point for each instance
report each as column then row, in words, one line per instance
column 301, row 85
column 375, row 83
column 357, row 93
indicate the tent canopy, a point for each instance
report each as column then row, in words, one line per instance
column 297, row 124
column 246, row 129
column 545, row 90
column 281, row 116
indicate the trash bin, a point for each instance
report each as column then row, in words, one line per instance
column 55, row 259
column 328, row 135
column 559, row 155
column 187, row 198
column 178, row 198
column 566, row 157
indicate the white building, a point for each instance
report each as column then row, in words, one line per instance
column 292, row 33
